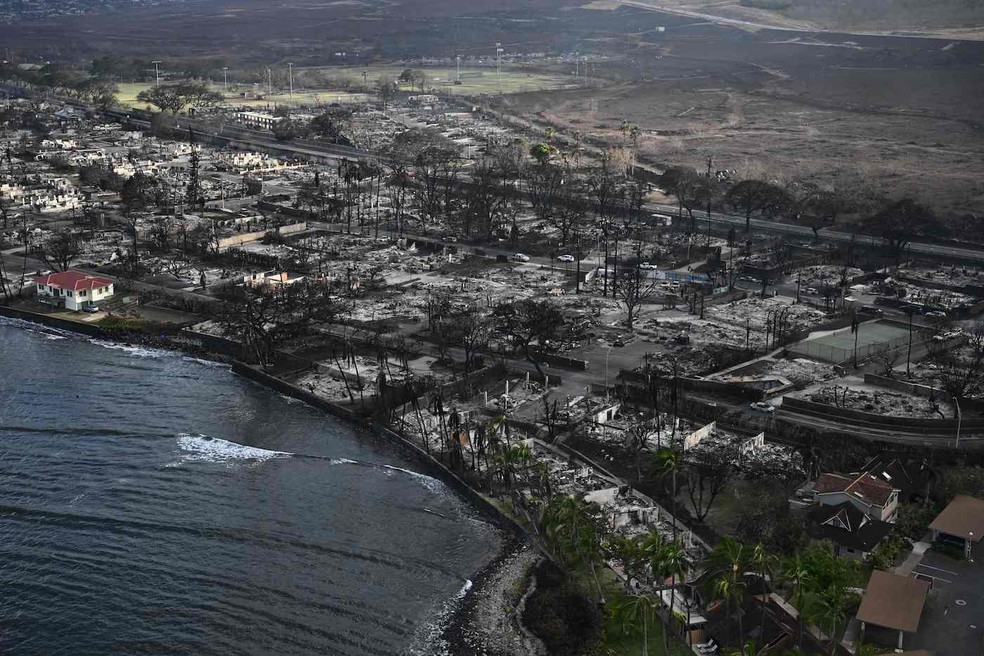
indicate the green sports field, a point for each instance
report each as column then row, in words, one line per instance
column 474, row 82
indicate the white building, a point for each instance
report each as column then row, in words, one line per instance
column 74, row 290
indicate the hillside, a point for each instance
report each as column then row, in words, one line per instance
column 901, row 15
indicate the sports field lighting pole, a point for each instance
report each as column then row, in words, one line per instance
column 157, row 72
column 225, row 79
column 290, row 80
column 457, row 59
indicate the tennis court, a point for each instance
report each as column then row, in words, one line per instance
column 871, row 338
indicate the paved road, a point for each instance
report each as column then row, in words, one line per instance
column 825, row 234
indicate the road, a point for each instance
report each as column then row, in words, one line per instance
column 825, row 234
column 751, row 25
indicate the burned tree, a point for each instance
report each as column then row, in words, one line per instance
column 60, row 249
column 529, row 322
column 751, row 196
column 635, row 286
column 265, row 316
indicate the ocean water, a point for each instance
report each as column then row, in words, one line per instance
column 151, row 503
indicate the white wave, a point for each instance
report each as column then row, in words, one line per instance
column 343, row 461
column 47, row 332
column 207, row 363
column 427, row 640
column 212, row 449
column 140, row 351
column 432, row 484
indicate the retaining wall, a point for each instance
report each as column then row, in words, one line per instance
column 425, row 460
column 883, row 421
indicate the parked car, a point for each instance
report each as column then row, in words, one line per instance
column 939, row 314
column 91, row 308
column 521, row 257
column 647, row 265
column 566, row 258
column 760, row 406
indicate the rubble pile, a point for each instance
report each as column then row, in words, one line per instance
column 882, row 402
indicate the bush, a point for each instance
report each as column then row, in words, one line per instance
column 560, row 614
column 913, row 520
column 884, row 555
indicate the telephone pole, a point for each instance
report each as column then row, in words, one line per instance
column 498, row 69
column 290, row 79
column 225, row 78
column 157, row 72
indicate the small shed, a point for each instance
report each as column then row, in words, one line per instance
column 893, row 602
column 961, row 523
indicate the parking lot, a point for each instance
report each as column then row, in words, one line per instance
column 953, row 619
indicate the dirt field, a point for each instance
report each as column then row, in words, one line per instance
column 901, row 113
column 945, row 18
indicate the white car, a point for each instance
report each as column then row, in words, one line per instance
column 521, row 257
column 760, row 406
column 565, row 258
column 647, row 266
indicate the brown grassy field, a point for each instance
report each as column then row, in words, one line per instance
column 944, row 18
column 902, row 113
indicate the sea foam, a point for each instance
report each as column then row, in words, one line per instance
column 213, row 449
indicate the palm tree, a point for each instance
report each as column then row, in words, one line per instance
column 572, row 530
column 629, row 611
column 748, row 649
column 668, row 461
column 627, row 552
column 727, row 564
column 829, row 611
column 764, row 564
column 671, row 561
column 797, row 575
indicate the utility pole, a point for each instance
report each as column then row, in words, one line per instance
column 458, row 71
column 498, row 69
column 290, row 79
column 225, row 78
column 710, row 161
column 157, row 72
column 269, row 81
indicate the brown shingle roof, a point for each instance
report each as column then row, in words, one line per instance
column 871, row 489
column 831, row 483
column 893, row 601
column 963, row 517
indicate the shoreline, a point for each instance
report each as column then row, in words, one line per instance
column 463, row 630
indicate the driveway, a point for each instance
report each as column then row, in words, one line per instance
column 952, row 622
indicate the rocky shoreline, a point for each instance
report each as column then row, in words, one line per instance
column 488, row 620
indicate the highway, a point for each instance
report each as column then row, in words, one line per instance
column 825, row 234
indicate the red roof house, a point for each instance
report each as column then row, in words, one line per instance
column 75, row 290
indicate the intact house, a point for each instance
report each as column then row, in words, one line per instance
column 853, row 534
column 910, row 477
column 73, row 290
column 872, row 495
column 961, row 523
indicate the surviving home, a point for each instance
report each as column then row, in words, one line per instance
column 73, row 290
